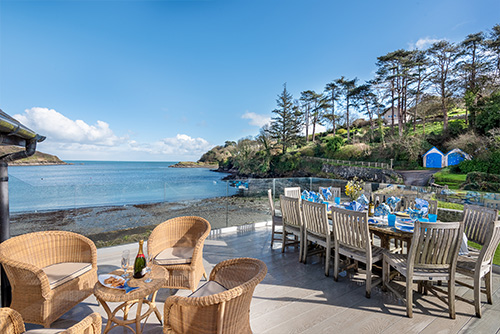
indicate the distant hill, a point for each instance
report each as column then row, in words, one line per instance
column 38, row 158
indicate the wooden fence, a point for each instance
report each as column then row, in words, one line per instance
column 383, row 165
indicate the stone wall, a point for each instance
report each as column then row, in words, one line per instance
column 366, row 174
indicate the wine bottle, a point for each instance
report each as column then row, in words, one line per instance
column 371, row 207
column 140, row 262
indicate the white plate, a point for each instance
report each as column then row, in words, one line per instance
column 104, row 277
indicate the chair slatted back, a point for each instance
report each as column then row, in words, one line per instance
column 492, row 240
column 293, row 192
column 491, row 203
column 351, row 229
column 435, row 245
column 290, row 210
column 315, row 218
column 476, row 222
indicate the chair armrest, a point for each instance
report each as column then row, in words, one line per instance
column 27, row 277
column 198, row 302
column 11, row 321
column 198, row 248
column 91, row 324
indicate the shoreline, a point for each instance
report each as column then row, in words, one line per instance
column 110, row 225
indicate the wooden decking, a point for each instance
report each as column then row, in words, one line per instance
column 299, row 298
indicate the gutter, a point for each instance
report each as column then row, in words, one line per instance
column 12, row 132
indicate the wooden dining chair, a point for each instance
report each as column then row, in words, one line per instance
column 292, row 223
column 352, row 239
column 482, row 228
column 276, row 219
column 317, row 231
column 293, row 192
column 432, row 257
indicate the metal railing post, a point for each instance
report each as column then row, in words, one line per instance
column 4, row 228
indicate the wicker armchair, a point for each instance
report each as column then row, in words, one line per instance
column 225, row 312
column 181, row 239
column 33, row 263
column 11, row 322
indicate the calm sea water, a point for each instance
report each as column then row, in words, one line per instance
column 98, row 183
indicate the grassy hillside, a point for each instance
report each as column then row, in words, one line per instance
column 38, row 158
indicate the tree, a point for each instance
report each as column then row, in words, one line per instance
column 493, row 44
column 306, row 99
column 285, row 126
column 366, row 99
column 473, row 67
column 443, row 57
column 346, row 89
column 333, row 89
column 420, row 76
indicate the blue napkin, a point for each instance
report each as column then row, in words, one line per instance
column 393, row 200
column 327, row 193
column 423, row 206
column 128, row 288
column 362, row 200
column 305, row 195
column 382, row 210
column 355, row 206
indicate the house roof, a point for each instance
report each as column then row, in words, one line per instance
column 434, row 150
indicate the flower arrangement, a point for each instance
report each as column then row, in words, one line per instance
column 354, row 188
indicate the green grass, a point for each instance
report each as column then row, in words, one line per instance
column 452, row 180
column 448, row 205
column 496, row 257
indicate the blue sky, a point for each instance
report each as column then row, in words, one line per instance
column 168, row 80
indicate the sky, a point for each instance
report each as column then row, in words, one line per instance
column 166, row 80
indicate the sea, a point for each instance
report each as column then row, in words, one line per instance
column 108, row 183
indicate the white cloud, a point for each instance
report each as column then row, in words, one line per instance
column 256, row 119
column 77, row 140
column 183, row 145
column 423, row 43
column 55, row 126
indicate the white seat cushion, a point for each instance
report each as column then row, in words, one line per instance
column 45, row 331
column 175, row 255
column 207, row 289
column 61, row 273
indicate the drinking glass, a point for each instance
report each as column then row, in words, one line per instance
column 125, row 262
column 149, row 268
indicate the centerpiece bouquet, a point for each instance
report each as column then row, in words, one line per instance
column 354, row 188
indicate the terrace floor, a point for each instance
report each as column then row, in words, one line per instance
column 299, row 298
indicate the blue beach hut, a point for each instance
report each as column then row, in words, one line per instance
column 433, row 158
column 455, row 156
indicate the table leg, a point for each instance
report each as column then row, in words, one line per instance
column 138, row 329
column 153, row 304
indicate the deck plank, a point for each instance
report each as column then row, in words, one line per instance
column 298, row 298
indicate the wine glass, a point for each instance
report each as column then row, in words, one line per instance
column 125, row 262
column 149, row 268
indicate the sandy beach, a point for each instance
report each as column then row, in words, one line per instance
column 115, row 222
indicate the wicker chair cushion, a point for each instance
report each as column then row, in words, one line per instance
column 61, row 273
column 207, row 289
column 44, row 331
column 175, row 255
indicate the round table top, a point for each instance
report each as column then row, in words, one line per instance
column 158, row 277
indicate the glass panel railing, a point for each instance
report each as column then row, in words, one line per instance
column 96, row 205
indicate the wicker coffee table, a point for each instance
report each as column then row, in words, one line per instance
column 139, row 296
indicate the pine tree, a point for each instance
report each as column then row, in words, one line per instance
column 286, row 125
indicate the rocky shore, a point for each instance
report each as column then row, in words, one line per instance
column 192, row 164
column 119, row 224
